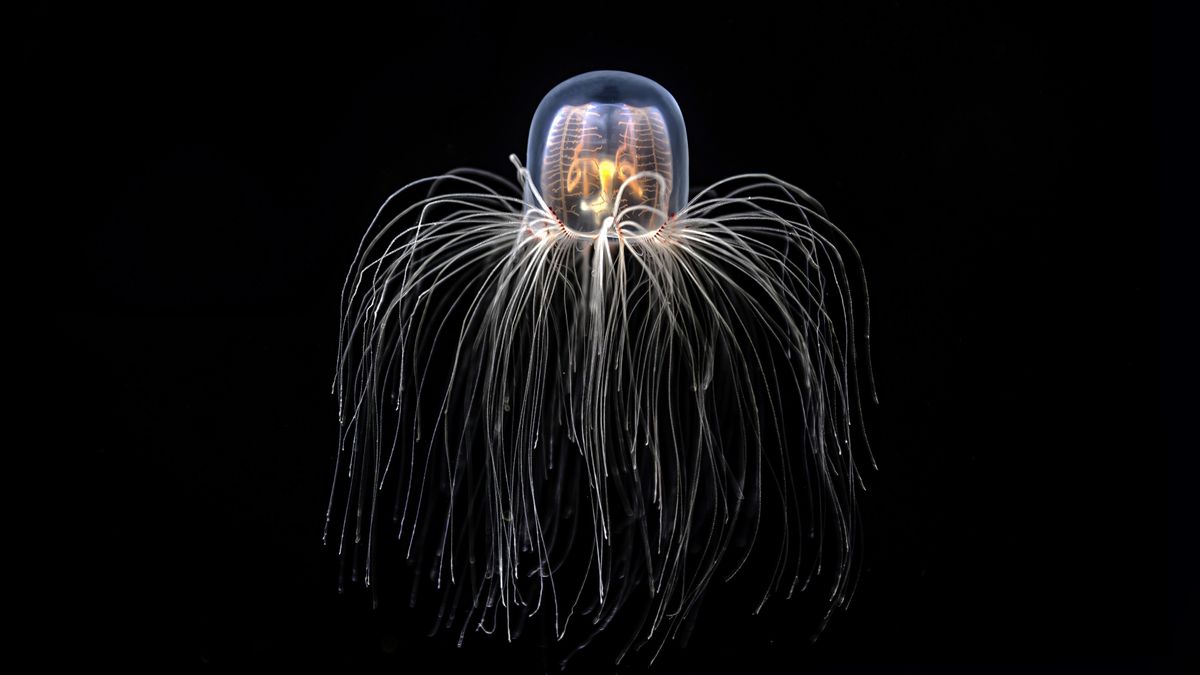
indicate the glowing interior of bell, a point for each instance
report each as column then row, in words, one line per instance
column 609, row 149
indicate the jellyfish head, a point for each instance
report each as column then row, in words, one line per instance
column 608, row 155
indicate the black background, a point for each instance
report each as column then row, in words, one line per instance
column 203, row 180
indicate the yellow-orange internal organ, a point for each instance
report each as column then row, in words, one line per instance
column 595, row 148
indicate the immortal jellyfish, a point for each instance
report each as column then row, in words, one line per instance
column 588, row 394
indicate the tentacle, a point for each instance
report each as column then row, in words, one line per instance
column 576, row 423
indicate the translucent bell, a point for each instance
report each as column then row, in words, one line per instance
column 608, row 152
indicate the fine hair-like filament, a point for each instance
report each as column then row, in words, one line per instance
column 578, row 424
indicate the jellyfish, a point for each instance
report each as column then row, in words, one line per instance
column 588, row 393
